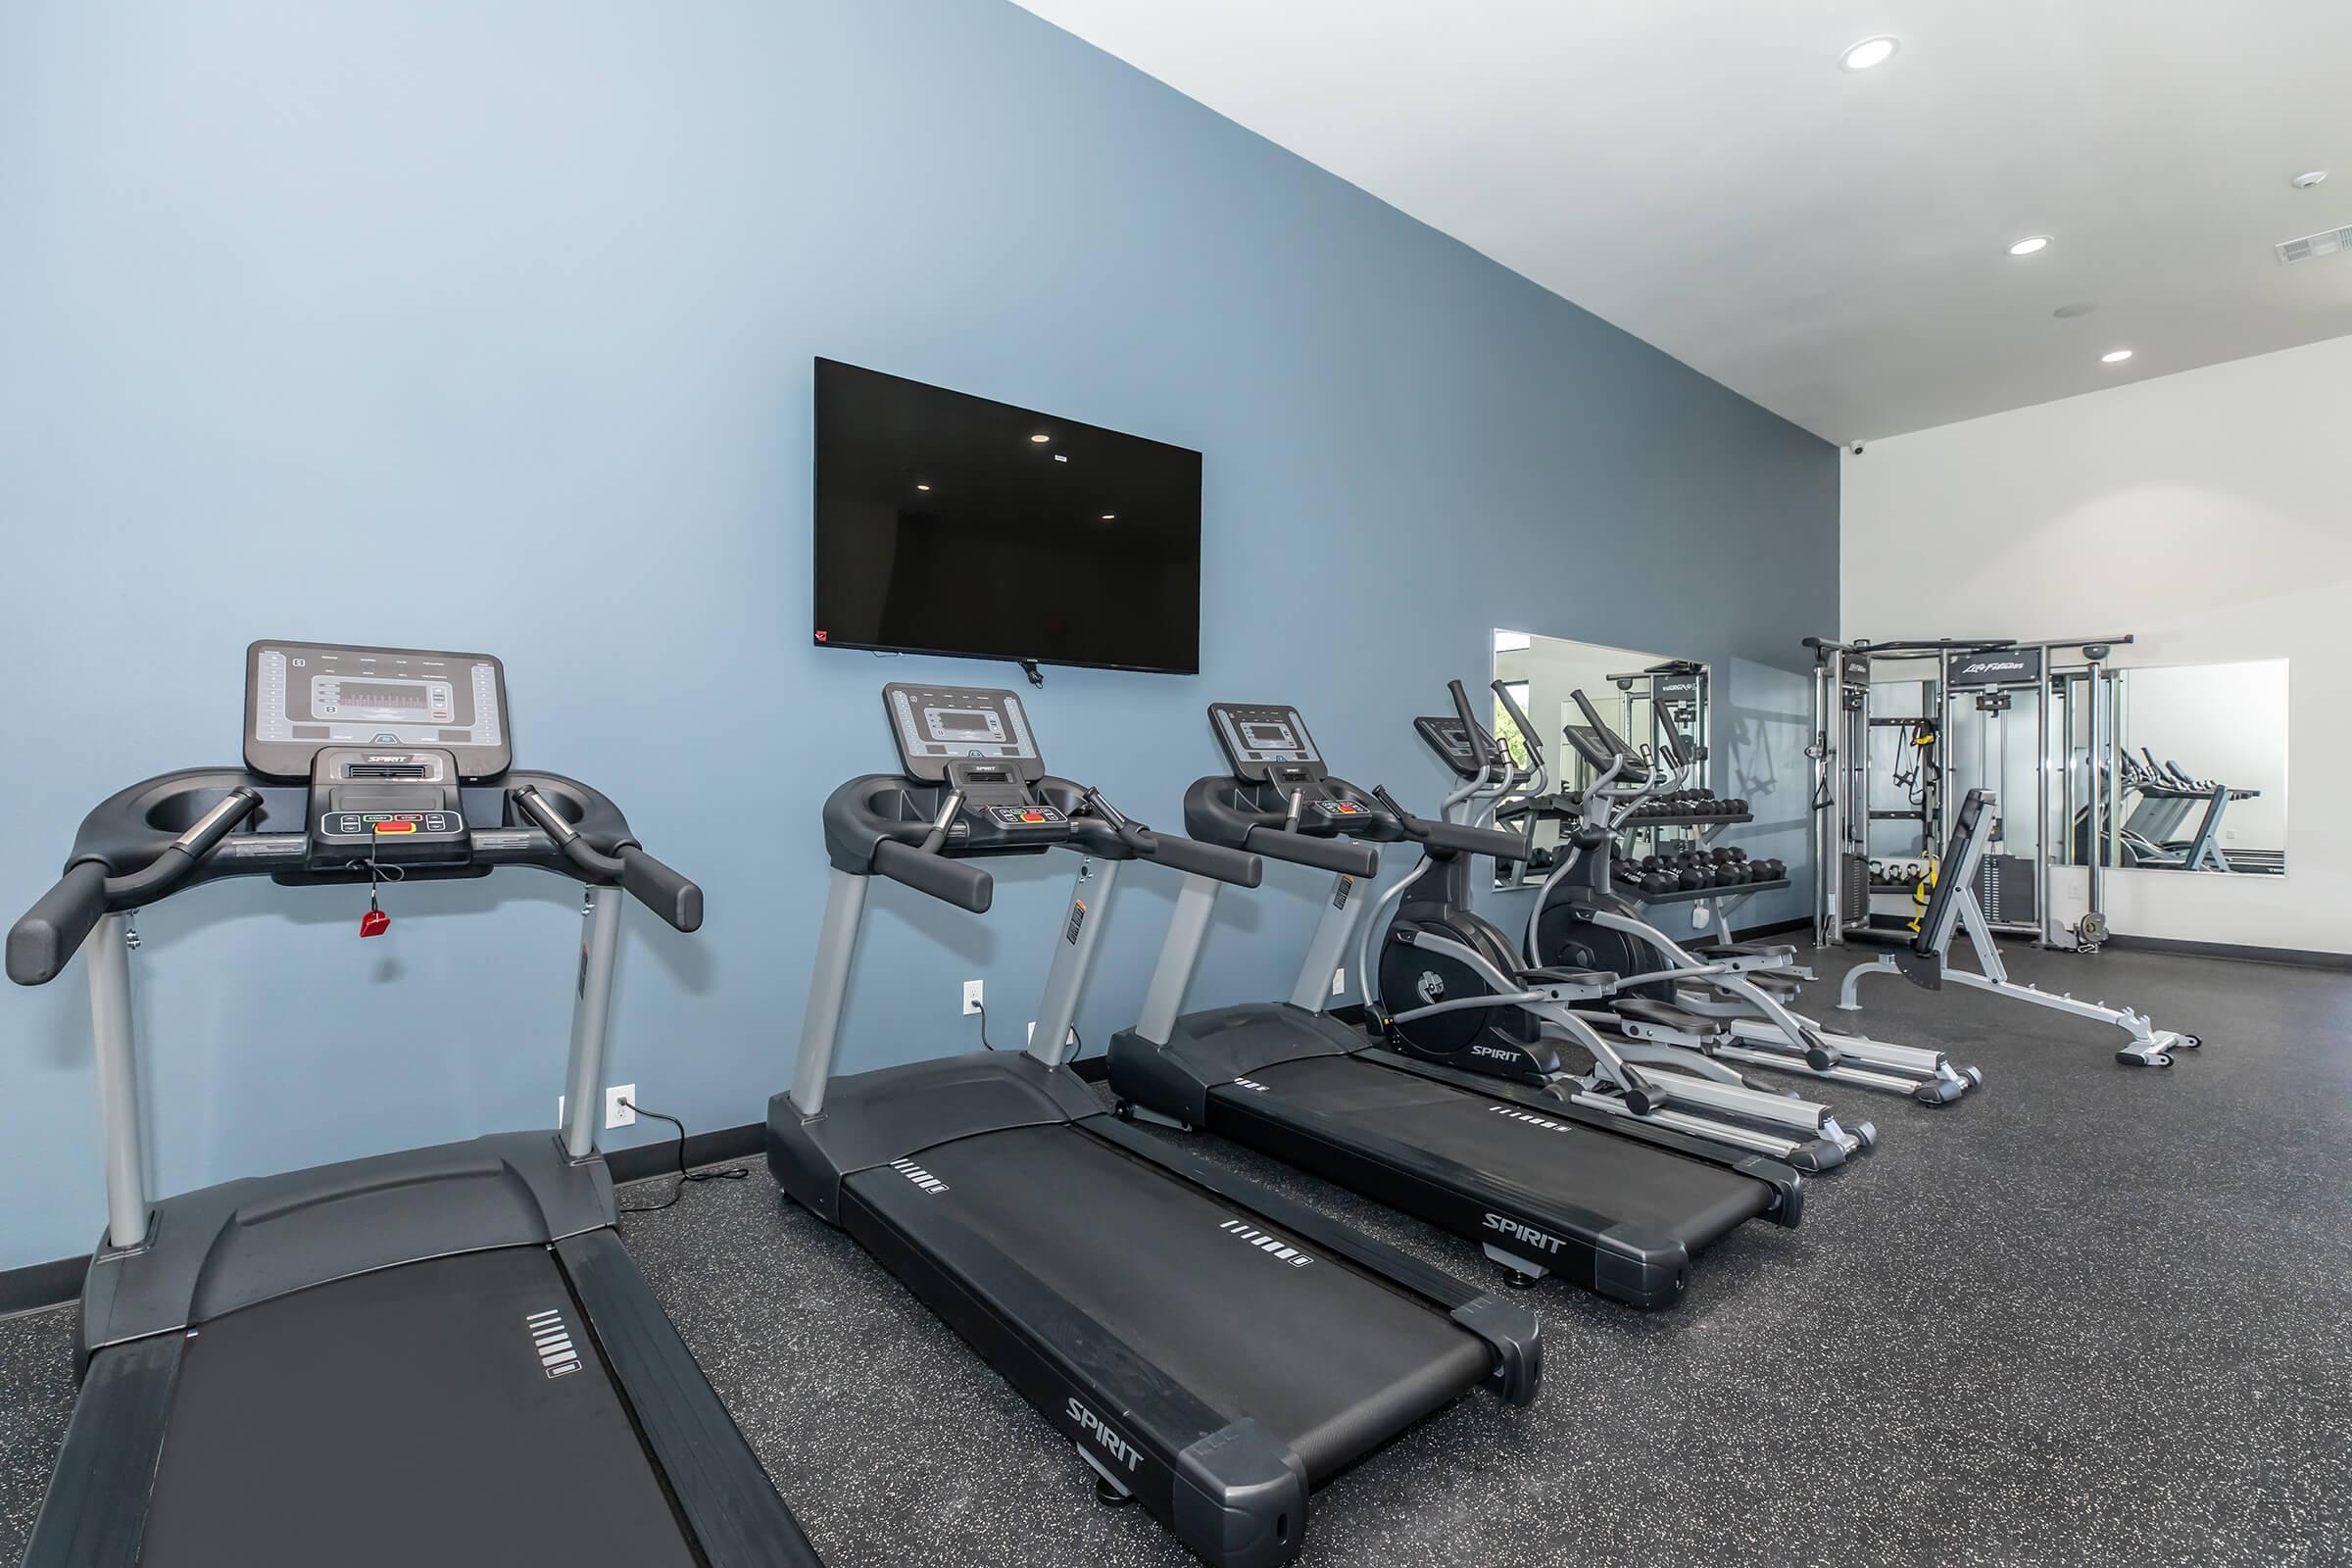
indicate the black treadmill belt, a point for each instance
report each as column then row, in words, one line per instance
column 1324, row 1358
column 408, row 1416
column 1578, row 1167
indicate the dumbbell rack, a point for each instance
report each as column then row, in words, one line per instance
column 1729, row 893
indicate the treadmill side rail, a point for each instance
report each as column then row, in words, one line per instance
column 732, row 1507
column 1507, row 1329
column 1230, row 1491
column 95, row 1514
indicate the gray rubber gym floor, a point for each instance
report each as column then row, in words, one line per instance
column 2094, row 1315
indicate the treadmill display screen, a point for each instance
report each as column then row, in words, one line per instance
column 1269, row 737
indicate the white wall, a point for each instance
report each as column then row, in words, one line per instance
column 2209, row 514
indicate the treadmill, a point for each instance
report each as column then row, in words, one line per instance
column 1212, row 1350
column 1543, row 1185
column 438, row 1355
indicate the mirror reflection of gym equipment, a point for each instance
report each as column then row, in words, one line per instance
column 1659, row 703
column 2199, row 772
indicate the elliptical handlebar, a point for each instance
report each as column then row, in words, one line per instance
column 1471, row 729
column 1526, row 727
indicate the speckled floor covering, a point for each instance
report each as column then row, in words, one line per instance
column 2092, row 1316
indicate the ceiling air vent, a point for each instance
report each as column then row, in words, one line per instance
column 2327, row 242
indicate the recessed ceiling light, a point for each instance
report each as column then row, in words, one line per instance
column 2115, row 356
column 1869, row 52
column 2308, row 179
column 1111, row 517
column 1041, row 440
column 2029, row 244
column 922, row 487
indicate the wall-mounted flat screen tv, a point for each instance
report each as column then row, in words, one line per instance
column 950, row 524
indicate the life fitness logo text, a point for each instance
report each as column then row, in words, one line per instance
column 1992, row 666
column 1119, row 1449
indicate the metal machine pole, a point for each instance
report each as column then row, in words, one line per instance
column 2044, row 783
column 1829, row 683
column 1327, row 949
column 1073, row 957
column 118, row 1083
column 591, row 1021
column 1179, row 955
column 2101, row 785
column 829, row 988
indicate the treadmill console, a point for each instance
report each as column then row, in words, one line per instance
column 939, row 725
column 302, row 699
column 1266, row 744
column 975, row 739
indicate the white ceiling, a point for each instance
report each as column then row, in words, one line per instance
column 1830, row 244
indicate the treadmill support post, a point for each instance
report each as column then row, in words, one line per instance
column 1073, row 957
column 1179, row 957
column 591, row 1015
column 828, row 989
column 118, row 1083
column 1329, row 948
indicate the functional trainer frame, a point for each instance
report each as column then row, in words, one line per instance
column 1996, row 673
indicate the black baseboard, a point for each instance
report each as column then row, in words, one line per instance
column 640, row 1160
column 36, row 1285
column 2293, row 958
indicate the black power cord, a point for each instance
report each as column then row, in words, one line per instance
column 981, row 1007
column 733, row 1173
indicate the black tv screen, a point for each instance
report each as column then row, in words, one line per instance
column 951, row 525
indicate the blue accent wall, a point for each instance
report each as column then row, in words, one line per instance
column 490, row 326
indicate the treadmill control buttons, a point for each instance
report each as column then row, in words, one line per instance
column 1343, row 808
column 360, row 824
column 1026, row 816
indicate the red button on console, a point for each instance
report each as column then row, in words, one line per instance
column 396, row 827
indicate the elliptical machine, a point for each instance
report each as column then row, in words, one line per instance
column 1447, row 986
column 1579, row 919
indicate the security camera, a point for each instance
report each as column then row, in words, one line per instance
column 1857, row 449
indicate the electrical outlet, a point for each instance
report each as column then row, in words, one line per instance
column 1339, row 981
column 971, row 998
column 617, row 1114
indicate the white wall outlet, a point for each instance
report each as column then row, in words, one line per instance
column 971, row 998
column 1339, row 981
column 617, row 1114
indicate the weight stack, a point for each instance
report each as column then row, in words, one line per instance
column 2005, row 888
column 1855, row 887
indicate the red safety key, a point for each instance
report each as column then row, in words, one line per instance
column 375, row 922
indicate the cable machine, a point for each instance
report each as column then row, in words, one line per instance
column 1905, row 730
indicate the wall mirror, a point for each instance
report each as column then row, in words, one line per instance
column 2199, row 769
column 1654, row 701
